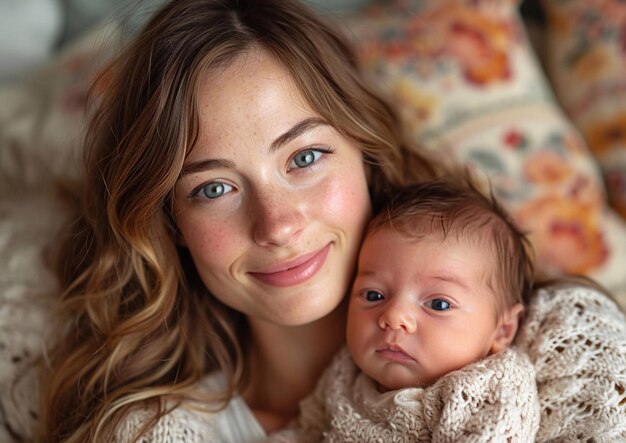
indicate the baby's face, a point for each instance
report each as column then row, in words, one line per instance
column 420, row 308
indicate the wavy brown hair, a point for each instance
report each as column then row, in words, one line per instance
column 141, row 328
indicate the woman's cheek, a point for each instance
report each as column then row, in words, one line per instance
column 346, row 200
column 211, row 243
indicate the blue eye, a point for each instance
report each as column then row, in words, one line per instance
column 214, row 190
column 373, row 296
column 304, row 159
column 439, row 304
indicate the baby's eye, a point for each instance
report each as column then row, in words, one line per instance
column 214, row 190
column 373, row 296
column 439, row 304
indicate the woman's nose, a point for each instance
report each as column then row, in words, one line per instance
column 398, row 316
column 277, row 220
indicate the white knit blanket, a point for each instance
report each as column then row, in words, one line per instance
column 494, row 399
column 576, row 339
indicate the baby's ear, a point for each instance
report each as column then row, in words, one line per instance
column 507, row 328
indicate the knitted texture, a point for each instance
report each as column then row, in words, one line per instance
column 494, row 399
column 179, row 426
column 197, row 421
column 576, row 338
column 31, row 217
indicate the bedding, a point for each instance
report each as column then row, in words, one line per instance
column 586, row 59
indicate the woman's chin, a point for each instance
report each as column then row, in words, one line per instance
column 309, row 310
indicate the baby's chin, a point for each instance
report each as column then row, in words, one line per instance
column 390, row 382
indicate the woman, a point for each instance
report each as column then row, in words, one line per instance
column 232, row 163
column 225, row 196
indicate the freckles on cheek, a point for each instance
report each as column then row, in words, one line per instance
column 346, row 200
column 211, row 245
column 217, row 244
column 218, row 241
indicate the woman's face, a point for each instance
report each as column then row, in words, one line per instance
column 272, row 202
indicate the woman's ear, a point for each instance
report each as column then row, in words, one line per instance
column 507, row 328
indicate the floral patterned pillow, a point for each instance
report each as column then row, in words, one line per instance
column 586, row 58
column 468, row 84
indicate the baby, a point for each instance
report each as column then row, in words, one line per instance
column 442, row 279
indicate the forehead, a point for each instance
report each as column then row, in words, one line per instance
column 429, row 253
column 242, row 75
column 253, row 95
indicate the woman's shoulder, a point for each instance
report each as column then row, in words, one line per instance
column 177, row 426
column 195, row 422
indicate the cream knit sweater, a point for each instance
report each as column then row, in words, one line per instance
column 491, row 400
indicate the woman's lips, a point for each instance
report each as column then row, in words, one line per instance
column 295, row 271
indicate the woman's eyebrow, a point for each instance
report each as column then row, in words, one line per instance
column 206, row 165
column 296, row 131
column 291, row 134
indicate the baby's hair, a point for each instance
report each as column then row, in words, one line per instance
column 450, row 208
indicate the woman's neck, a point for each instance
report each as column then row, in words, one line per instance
column 286, row 362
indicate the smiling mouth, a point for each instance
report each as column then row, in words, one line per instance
column 295, row 271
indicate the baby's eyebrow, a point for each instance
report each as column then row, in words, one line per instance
column 451, row 279
column 366, row 273
column 296, row 131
